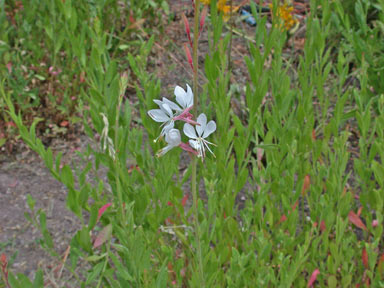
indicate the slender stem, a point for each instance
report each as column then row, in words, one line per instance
column 105, row 264
column 117, row 166
column 194, row 159
column 230, row 37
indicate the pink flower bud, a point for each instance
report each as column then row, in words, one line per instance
column 189, row 56
column 187, row 29
column 202, row 19
column 375, row 223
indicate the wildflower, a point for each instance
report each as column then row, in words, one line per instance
column 198, row 141
column 165, row 114
column 285, row 14
column 173, row 138
column 184, row 98
column 223, row 7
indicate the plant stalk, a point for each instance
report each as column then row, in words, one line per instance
column 194, row 159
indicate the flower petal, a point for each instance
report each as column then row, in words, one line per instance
column 194, row 144
column 164, row 150
column 167, row 127
column 172, row 105
column 209, row 129
column 158, row 115
column 189, row 131
column 173, row 137
column 181, row 96
column 167, row 110
column 189, row 96
column 158, row 102
column 202, row 120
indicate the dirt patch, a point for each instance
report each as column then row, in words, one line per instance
column 22, row 175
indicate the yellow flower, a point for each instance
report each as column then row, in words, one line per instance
column 223, row 7
column 285, row 14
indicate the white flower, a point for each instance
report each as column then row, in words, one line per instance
column 184, row 98
column 203, row 130
column 173, row 138
column 164, row 115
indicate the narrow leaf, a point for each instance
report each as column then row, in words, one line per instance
column 102, row 210
column 364, row 258
column 354, row 219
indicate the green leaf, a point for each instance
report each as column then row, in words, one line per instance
column 121, row 269
column 39, row 280
column 95, row 258
column 103, row 236
column 96, row 271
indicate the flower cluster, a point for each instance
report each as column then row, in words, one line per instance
column 223, row 7
column 285, row 14
column 171, row 112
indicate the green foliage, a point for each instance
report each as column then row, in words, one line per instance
column 44, row 47
column 282, row 194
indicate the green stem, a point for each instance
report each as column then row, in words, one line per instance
column 105, row 264
column 230, row 39
column 194, row 159
column 117, row 166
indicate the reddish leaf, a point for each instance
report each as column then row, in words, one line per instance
column 170, row 203
column 294, row 206
column 322, row 226
column 282, row 219
column 64, row 123
column 313, row 277
column 10, row 124
column 184, row 200
column 102, row 210
column 359, row 211
column 354, row 219
column 9, row 67
column 364, row 258
column 313, row 135
column 103, row 236
column 3, row 259
column 306, row 184
column 131, row 18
